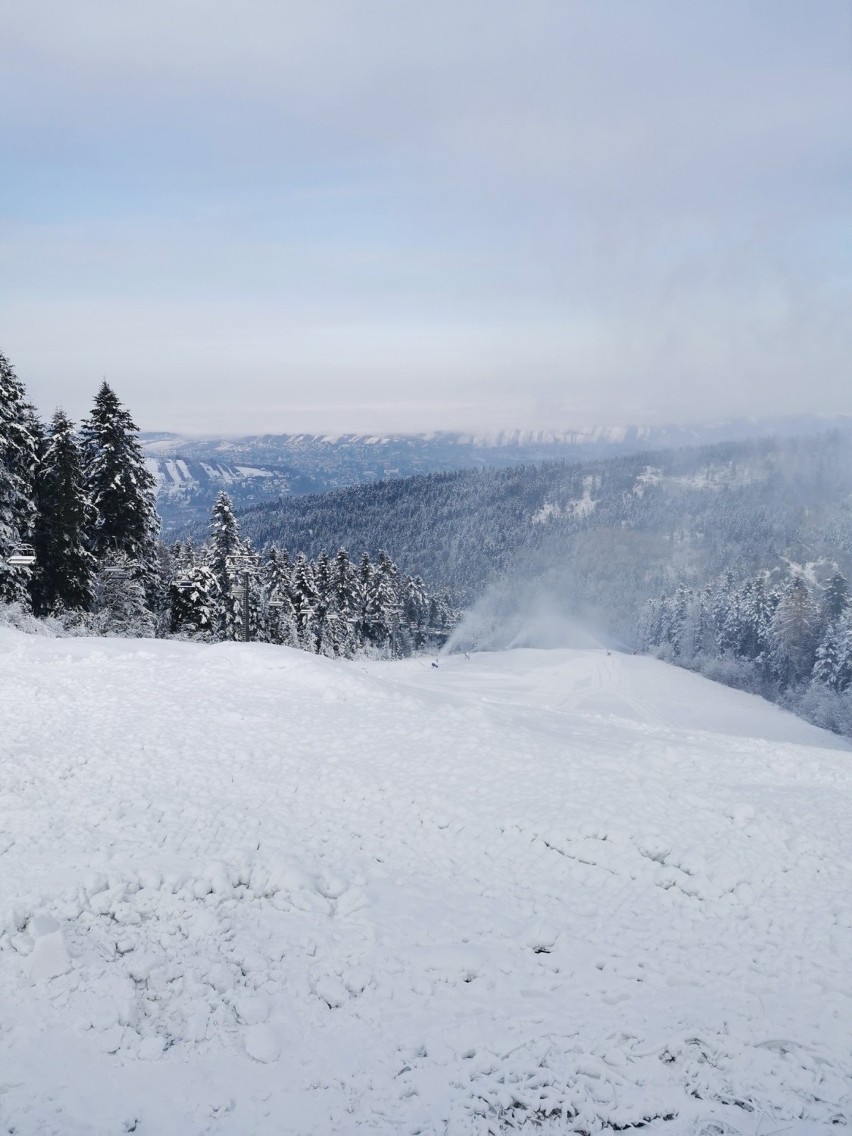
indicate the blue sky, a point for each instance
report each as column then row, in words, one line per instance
column 264, row 216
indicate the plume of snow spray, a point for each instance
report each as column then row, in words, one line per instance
column 505, row 617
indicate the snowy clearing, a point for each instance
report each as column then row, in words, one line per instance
column 249, row 891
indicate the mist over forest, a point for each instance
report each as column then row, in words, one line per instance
column 600, row 537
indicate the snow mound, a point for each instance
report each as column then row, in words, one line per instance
column 247, row 890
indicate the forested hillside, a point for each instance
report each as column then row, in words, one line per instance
column 259, row 469
column 789, row 640
column 80, row 548
column 604, row 536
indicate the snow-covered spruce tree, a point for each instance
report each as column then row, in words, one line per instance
column 121, row 606
column 120, row 487
column 19, row 453
column 835, row 599
column 415, row 614
column 362, row 603
column 843, row 632
column 705, row 631
column 386, row 602
column 193, row 603
column 793, row 634
column 324, row 614
column 648, row 629
column 343, row 578
column 729, row 635
column 665, row 623
column 680, row 610
column 183, row 557
column 64, row 570
column 280, row 614
column 757, row 609
column 833, row 666
column 164, row 574
column 343, row 604
column 225, row 543
column 827, row 667
column 721, row 610
column 305, row 599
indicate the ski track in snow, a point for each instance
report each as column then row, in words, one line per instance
column 248, row 891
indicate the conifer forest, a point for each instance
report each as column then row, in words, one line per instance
column 81, row 547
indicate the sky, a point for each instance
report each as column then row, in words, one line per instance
column 267, row 216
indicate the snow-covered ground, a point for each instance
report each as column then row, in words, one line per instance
column 248, row 891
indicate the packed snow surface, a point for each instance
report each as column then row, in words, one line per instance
column 248, row 891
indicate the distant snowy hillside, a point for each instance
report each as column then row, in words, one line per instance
column 600, row 537
column 262, row 467
column 186, row 488
column 245, row 890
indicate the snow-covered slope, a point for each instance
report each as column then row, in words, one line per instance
column 248, row 891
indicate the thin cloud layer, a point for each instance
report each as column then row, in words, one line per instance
column 454, row 213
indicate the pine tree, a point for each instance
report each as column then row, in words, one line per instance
column 705, row 632
column 843, row 631
column 304, row 601
column 835, row 598
column 119, row 485
column 193, row 602
column 277, row 571
column 833, row 666
column 415, row 613
column 695, row 628
column 323, row 611
column 160, row 594
column 664, row 613
column 827, row 666
column 794, row 634
column 64, row 573
column 19, row 451
column 183, row 557
column 757, row 608
column 121, row 606
column 648, row 633
column 384, row 602
column 730, row 633
column 226, row 544
column 680, row 609
column 343, row 605
column 722, row 603
column 362, row 602
column 280, row 612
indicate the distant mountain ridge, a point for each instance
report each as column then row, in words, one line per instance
column 262, row 468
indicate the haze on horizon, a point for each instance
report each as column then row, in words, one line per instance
column 364, row 215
